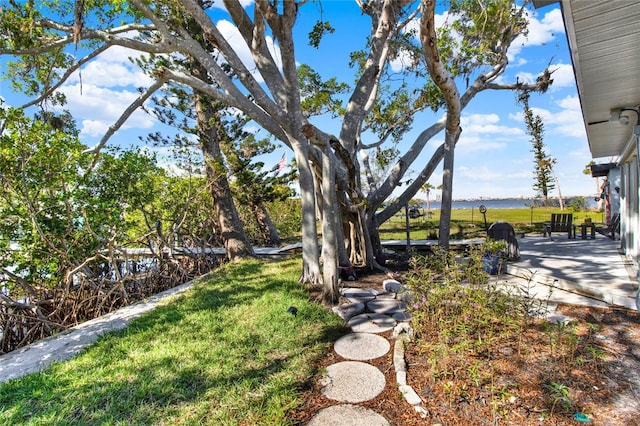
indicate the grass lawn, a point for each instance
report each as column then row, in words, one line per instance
column 225, row 353
column 469, row 223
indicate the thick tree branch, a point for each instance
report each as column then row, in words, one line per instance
column 61, row 42
column 254, row 36
column 214, row 36
column 231, row 96
column 384, row 23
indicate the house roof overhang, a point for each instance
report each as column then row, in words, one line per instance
column 599, row 170
column 604, row 41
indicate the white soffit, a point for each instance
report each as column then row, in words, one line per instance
column 604, row 38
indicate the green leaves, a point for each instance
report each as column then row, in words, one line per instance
column 39, row 177
column 319, row 29
column 53, row 216
column 319, row 97
column 484, row 29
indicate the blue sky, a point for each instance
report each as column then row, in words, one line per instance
column 493, row 156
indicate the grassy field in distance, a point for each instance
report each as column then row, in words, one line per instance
column 469, row 223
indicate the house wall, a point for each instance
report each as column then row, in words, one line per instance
column 630, row 203
column 613, row 182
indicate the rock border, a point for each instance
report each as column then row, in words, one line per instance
column 404, row 333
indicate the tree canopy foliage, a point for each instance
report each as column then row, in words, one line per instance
column 448, row 66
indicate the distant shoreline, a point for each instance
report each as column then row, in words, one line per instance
column 517, row 198
column 505, row 203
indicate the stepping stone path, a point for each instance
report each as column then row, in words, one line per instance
column 361, row 346
column 368, row 313
column 371, row 323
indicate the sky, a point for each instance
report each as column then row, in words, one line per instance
column 493, row 156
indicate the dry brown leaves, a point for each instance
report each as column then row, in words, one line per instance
column 525, row 382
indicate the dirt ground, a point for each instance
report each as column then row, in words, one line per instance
column 536, row 386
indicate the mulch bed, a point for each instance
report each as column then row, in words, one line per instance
column 607, row 391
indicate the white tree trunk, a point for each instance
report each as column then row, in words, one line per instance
column 310, row 253
column 329, row 232
column 447, row 85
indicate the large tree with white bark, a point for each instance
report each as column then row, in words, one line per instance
column 471, row 49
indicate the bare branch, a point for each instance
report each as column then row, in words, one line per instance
column 383, row 59
column 66, row 75
column 384, row 15
column 123, row 118
column 110, row 37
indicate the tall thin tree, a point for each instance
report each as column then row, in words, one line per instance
column 543, row 179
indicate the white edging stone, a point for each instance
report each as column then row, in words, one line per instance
column 410, row 395
column 403, row 332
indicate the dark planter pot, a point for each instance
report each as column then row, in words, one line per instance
column 492, row 263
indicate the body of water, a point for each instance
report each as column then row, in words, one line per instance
column 518, row 203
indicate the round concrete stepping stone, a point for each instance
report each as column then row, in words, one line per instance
column 386, row 306
column 356, row 295
column 361, row 346
column 371, row 323
column 352, row 381
column 401, row 316
column 347, row 415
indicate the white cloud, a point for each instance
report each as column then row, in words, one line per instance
column 526, row 77
column 483, row 124
column 230, row 32
column 220, row 4
column 545, row 30
column 482, row 132
column 540, row 31
column 485, row 173
column 402, row 60
column 93, row 128
column 112, row 69
column 568, row 121
column 521, row 62
column 97, row 108
column 565, row 122
column 471, row 143
column 562, row 76
column 570, row 102
column 479, row 119
column 103, row 89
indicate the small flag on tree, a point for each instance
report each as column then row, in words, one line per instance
column 282, row 163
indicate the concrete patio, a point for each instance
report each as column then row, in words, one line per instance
column 591, row 268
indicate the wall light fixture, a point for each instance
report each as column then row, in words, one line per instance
column 617, row 116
